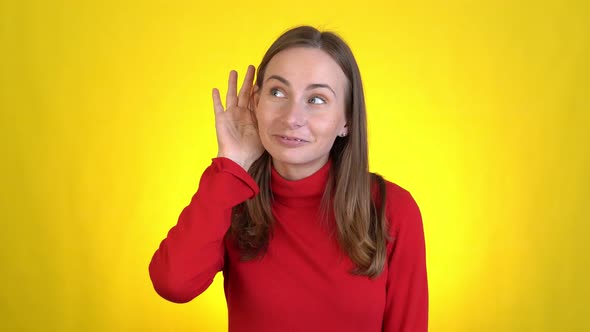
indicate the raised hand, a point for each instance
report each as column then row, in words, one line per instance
column 237, row 134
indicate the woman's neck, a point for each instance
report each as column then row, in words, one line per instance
column 293, row 172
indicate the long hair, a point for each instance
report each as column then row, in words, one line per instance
column 361, row 223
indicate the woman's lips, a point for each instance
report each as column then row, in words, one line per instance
column 290, row 141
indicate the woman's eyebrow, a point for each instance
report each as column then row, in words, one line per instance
column 309, row 87
column 279, row 78
column 320, row 85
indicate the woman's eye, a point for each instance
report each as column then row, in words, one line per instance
column 277, row 93
column 317, row 100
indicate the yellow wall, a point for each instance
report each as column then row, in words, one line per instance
column 479, row 108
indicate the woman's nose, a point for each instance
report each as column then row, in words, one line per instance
column 295, row 115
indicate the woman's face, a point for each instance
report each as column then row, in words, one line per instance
column 300, row 110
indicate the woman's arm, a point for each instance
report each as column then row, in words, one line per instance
column 193, row 252
column 407, row 286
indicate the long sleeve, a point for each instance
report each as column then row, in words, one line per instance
column 193, row 252
column 406, row 308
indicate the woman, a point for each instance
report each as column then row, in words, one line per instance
column 306, row 237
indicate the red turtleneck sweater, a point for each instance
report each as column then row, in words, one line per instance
column 302, row 283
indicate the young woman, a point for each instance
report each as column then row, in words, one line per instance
column 306, row 237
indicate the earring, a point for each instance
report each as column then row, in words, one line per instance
column 342, row 135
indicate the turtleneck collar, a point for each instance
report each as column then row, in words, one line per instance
column 300, row 193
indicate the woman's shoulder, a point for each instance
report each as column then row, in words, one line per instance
column 400, row 204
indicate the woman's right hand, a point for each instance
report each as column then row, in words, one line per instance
column 237, row 133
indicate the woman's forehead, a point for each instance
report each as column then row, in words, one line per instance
column 305, row 65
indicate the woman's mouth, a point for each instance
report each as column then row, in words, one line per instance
column 290, row 141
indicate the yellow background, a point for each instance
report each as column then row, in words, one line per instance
column 479, row 108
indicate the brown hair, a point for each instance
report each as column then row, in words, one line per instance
column 361, row 224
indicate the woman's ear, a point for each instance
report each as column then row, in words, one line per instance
column 254, row 97
column 344, row 130
column 253, row 103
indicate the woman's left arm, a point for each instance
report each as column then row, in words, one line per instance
column 406, row 307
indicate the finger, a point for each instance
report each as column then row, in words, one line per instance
column 246, row 90
column 217, row 106
column 231, row 99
